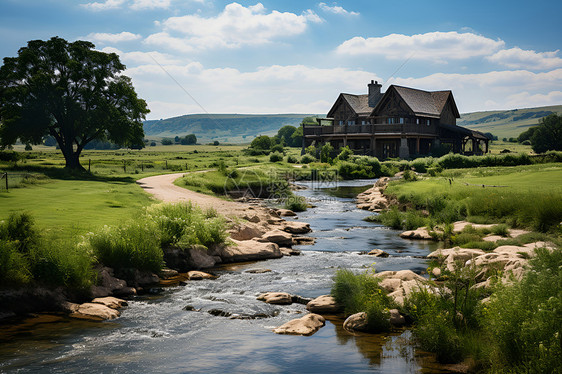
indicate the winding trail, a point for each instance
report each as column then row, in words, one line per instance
column 162, row 187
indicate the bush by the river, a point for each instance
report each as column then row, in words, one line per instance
column 362, row 293
column 27, row 257
column 296, row 203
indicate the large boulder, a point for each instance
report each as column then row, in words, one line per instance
column 278, row 298
column 109, row 285
column 286, row 213
column 421, row 233
column 324, row 304
column 306, row 325
column 248, row 250
column 110, row 302
column 378, row 253
column 356, row 322
column 400, row 284
column 198, row 275
column 94, row 312
column 296, row 227
column 281, row 238
column 244, row 232
column 396, row 319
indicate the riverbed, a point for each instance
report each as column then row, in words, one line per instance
column 219, row 326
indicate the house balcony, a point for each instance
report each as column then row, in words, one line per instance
column 368, row 130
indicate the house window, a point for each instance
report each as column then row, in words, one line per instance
column 341, row 123
column 417, row 121
column 428, row 122
column 401, row 120
column 363, row 122
column 390, row 120
column 351, row 123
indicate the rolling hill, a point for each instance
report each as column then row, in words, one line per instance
column 225, row 128
column 242, row 128
column 506, row 123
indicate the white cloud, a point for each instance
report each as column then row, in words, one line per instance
column 149, row 58
column 527, row 100
column 150, row 4
column 102, row 37
column 235, row 26
column 436, row 46
column 132, row 4
column 474, row 92
column 108, row 4
column 336, row 10
column 518, row 58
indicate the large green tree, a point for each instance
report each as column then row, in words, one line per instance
column 71, row 92
column 547, row 136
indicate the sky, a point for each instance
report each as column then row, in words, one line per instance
column 288, row 56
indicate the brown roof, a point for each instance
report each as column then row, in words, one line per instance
column 465, row 131
column 359, row 103
column 424, row 103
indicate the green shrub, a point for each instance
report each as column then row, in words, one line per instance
column 133, row 245
column 501, row 230
column 292, row 159
column 362, row 293
column 296, row 203
column 13, row 264
column 345, row 153
column 524, row 319
column 391, row 218
column 436, row 333
column 307, row 159
column 277, row 148
column 276, row 157
column 63, row 262
column 19, row 229
column 410, row 176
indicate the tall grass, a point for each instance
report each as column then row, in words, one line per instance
column 524, row 320
column 133, row 245
column 27, row 257
column 362, row 293
column 184, row 224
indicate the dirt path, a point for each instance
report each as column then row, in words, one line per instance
column 162, row 187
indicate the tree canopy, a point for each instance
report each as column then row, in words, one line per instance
column 547, row 136
column 71, row 92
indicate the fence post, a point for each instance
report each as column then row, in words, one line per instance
column 89, row 164
column 6, row 176
column 142, row 165
column 124, row 167
column 166, row 164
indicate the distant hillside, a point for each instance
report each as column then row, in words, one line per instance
column 506, row 123
column 242, row 128
column 226, row 128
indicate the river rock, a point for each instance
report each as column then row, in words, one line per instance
column 289, row 251
column 286, row 213
column 277, row 298
column 198, row 275
column 109, row 285
column 324, row 304
column 249, row 250
column 110, row 302
column 166, row 273
column 378, row 253
column 421, row 233
column 460, row 225
column 396, row 319
column 296, row 227
column 258, row 271
column 200, row 258
column 281, row 238
column 400, row 284
column 94, row 312
column 356, row 322
column 306, row 325
column 244, row 232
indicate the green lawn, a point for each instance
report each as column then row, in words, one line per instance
column 76, row 205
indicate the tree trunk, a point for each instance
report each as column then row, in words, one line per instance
column 73, row 161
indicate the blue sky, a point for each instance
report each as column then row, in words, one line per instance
column 192, row 56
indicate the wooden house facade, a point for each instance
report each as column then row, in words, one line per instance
column 402, row 122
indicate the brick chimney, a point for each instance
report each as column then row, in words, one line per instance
column 374, row 93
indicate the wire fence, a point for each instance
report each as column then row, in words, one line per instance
column 9, row 181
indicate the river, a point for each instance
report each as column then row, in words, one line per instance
column 157, row 334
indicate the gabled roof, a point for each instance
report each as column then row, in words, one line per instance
column 423, row 103
column 358, row 103
column 464, row 131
